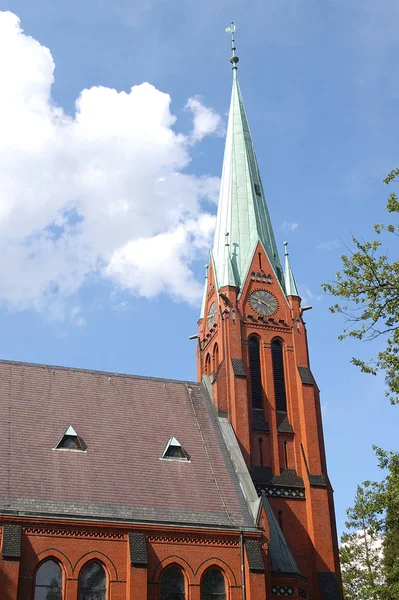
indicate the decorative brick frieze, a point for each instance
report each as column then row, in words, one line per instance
column 281, row 492
column 163, row 539
column 74, row 533
column 282, row 590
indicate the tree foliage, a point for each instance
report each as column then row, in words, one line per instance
column 361, row 546
column 370, row 546
column 390, row 503
column 368, row 285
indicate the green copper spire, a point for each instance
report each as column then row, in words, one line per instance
column 242, row 210
column 290, row 285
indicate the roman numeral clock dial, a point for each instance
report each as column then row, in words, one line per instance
column 211, row 315
column 264, row 303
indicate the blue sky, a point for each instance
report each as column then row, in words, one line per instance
column 321, row 93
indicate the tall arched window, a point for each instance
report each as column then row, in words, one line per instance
column 254, row 367
column 278, row 373
column 215, row 358
column 48, row 581
column 173, row 586
column 208, row 364
column 213, row 586
column 92, row 582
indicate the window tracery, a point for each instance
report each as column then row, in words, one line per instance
column 48, row 581
column 92, row 582
column 213, row 586
column 173, row 584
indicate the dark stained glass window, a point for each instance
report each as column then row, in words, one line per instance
column 256, row 378
column 172, row 584
column 69, row 442
column 48, row 581
column 92, row 582
column 174, row 452
column 213, row 586
column 278, row 373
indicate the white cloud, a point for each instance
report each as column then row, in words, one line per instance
column 289, row 226
column 76, row 316
column 161, row 263
column 329, row 245
column 206, row 120
column 102, row 194
column 307, row 295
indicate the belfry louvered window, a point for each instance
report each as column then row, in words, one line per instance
column 278, row 373
column 254, row 367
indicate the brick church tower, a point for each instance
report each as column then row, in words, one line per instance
column 122, row 487
column 253, row 355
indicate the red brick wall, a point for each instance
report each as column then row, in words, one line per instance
column 73, row 546
column 310, row 523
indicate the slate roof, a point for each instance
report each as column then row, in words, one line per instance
column 283, row 424
column 287, row 477
column 125, row 422
column 280, row 555
column 11, row 547
column 306, row 375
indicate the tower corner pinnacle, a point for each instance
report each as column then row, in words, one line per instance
column 290, row 285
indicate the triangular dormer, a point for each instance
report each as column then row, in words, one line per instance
column 70, row 441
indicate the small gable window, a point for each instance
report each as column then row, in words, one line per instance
column 257, row 189
column 48, row 581
column 70, row 441
column 174, row 451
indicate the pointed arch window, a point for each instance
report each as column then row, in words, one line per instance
column 207, row 364
column 213, row 586
column 173, row 586
column 255, row 371
column 278, row 374
column 48, row 581
column 215, row 358
column 92, row 582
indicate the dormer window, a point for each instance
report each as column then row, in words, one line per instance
column 174, row 451
column 70, row 441
column 257, row 189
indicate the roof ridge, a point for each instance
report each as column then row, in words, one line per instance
column 95, row 371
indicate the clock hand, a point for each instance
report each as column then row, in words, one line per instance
column 265, row 303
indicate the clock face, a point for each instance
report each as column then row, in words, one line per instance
column 263, row 302
column 211, row 315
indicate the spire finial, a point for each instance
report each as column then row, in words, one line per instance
column 285, row 248
column 234, row 59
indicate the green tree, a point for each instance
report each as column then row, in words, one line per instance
column 361, row 546
column 389, row 501
column 368, row 287
column 370, row 547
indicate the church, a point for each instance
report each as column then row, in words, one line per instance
column 123, row 487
